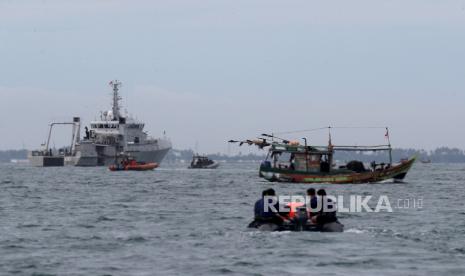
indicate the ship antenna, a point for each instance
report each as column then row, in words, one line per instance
column 116, row 98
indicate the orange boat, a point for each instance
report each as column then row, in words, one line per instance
column 133, row 165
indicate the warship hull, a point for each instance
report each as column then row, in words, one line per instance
column 91, row 155
column 156, row 156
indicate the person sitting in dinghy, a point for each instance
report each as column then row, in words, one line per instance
column 311, row 194
column 263, row 214
column 326, row 218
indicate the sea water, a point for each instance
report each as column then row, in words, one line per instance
column 90, row 221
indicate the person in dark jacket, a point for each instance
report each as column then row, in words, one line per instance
column 311, row 193
column 326, row 218
column 268, row 215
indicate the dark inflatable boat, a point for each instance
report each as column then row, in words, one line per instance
column 299, row 223
column 268, row 226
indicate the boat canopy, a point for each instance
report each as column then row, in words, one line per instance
column 325, row 149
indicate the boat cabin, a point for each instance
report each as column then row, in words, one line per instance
column 299, row 158
column 200, row 161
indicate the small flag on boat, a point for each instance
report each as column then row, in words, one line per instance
column 387, row 133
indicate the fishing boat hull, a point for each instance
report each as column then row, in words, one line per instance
column 396, row 172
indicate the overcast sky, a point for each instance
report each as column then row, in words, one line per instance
column 209, row 71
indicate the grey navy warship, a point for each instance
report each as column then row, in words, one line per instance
column 113, row 135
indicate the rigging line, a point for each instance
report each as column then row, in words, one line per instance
column 329, row 127
column 300, row 131
column 358, row 127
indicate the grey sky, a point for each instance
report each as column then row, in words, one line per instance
column 209, row 71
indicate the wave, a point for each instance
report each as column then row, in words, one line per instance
column 356, row 231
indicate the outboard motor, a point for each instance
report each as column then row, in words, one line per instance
column 300, row 219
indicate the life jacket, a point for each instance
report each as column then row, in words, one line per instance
column 293, row 208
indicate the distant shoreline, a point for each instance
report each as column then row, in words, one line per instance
column 439, row 155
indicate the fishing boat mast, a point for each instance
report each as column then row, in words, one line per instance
column 389, row 145
column 306, row 154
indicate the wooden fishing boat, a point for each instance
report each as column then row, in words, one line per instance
column 336, row 176
column 289, row 161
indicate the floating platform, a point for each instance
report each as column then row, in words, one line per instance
column 46, row 161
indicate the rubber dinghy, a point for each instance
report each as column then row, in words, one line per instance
column 300, row 223
column 336, row 227
column 134, row 166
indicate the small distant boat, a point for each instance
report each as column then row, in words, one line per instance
column 203, row 162
column 133, row 165
column 426, row 161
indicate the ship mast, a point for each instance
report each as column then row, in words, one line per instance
column 116, row 98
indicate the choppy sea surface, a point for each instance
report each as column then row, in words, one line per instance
column 90, row 221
